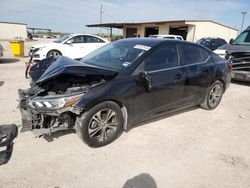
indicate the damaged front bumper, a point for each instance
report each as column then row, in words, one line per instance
column 45, row 121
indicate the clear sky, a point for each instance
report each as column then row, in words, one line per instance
column 73, row 15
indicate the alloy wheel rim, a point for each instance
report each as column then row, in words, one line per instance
column 103, row 125
column 215, row 95
column 54, row 54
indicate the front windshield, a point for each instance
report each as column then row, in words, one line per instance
column 63, row 38
column 117, row 55
column 243, row 38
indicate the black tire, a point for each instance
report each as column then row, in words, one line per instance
column 54, row 53
column 213, row 96
column 96, row 134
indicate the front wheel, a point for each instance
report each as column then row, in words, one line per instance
column 213, row 96
column 101, row 125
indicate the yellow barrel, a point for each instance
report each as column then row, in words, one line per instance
column 17, row 48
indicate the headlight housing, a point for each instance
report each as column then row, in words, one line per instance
column 34, row 50
column 55, row 102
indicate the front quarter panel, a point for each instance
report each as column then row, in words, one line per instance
column 117, row 90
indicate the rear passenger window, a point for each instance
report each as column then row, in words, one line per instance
column 190, row 54
column 204, row 54
column 91, row 39
column 216, row 57
column 162, row 58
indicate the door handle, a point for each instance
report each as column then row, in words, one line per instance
column 208, row 70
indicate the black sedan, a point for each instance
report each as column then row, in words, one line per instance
column 120, row 84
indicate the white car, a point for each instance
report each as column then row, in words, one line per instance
column 175, row 37
column 74, row 46
column 220, row 52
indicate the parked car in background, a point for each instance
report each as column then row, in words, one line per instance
column 240, row 44
column 120, row 84
column 74, row 46
column 238, row 52
column 176, row 37
column 211, row 43
column 221, row 51
column 1, row 50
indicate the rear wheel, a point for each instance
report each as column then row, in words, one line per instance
column 101, row 125
column 213, row 96
column 54, row 53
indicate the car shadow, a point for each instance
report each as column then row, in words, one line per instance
column 8, row 60
column 161, row 116
column 56, row 135
column 241, row 83
column 141, row 181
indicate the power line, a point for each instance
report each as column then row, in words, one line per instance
column 101, row 12
column 243, row 20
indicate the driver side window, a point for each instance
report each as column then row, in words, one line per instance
column 77, row 39
column 162, row 58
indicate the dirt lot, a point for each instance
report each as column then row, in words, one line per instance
column 195, row 148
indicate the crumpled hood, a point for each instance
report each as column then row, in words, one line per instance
column 67, row 66
column 235, row 48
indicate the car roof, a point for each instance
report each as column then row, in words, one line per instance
column 166, row 35
column 152, row 41
column 76, row 34
column 143, row 41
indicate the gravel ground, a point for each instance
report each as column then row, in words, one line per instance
column 193, row 148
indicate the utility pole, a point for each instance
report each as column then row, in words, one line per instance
column 243, row 19
column 101, row 12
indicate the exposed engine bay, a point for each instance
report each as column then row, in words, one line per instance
column 64, row 85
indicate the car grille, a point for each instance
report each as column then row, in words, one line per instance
column 240, row 61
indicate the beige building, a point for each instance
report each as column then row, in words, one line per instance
column 10, row 31
column 190, row 30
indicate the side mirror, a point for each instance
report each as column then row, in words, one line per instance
column 231, row 41
column 146, row 81
column 68, row 42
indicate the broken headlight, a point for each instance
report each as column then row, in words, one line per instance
column 55, row 103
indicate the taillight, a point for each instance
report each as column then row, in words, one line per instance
column 29, row 68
